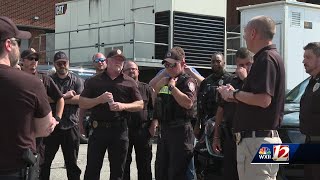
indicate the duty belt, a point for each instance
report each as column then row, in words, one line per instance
column 104, row 124
column 251, row 134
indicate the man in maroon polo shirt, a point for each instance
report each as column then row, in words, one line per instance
column 260, row 102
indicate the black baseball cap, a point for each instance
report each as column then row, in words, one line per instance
column 8, row 29
column 29, row 53
column 116, row 52
column 60, row 56
column 172, row 56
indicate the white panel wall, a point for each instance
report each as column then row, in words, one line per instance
column 205, row 7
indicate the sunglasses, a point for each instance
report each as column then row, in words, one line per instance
column 99, row 60
column 14, row 41
column 170, row 65
column 64, row 63
column 32, row 58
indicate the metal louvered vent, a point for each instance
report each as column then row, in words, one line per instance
column 161, row 33
column 295, row 20
column 200, row 36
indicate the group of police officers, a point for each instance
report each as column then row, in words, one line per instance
column 247, row 106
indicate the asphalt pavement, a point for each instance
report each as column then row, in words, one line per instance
column 58, row 171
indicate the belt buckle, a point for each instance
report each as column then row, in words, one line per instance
column 238, row 137
column 95, row 124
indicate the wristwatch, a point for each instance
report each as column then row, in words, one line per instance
column 170, row 87
column 57, row 118
column 234, row 94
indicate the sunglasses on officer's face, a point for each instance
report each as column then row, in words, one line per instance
column 32, row 58
column 61, row 63
column 99, row 60
column 170, row 65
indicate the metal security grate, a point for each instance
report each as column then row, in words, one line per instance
column 200, row 36
column 161, row 33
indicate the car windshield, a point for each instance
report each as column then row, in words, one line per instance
column 295, row 94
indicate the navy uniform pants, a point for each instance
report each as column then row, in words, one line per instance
column 69, row 140
column 230, row 171
column 114, row 140
column 139, row 138
column 174, row 152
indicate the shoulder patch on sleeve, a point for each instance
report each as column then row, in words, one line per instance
column 192, row 86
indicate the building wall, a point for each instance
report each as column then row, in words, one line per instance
column 22, row 12
column 233, row 16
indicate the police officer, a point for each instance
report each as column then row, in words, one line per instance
column 111, row 95
column 309, row 105
column 207, row 95
column 225, row 113
column 29, row 61
column 174, row 110
column 99, row 63
column 25, row 110
column 67, row 133
column 141, row 128
column 260, row 101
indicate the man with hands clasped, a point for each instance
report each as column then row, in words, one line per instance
column 111, row 96
column 225, row 113
column 260, row 102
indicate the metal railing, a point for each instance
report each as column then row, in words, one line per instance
column 98, row 45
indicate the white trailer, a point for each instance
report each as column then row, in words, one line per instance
column 143, row 29
column 298, row 24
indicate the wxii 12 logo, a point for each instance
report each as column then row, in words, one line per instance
column 281, row 152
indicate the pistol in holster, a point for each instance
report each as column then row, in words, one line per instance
column 32, row 165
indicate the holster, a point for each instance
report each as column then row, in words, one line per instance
column 32, row 165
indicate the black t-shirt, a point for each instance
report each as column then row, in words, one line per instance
column 267, row 75
column 70, row 116
column 229, row 108
column 23, row 98
column 146, row 114
column 310, row 109
column 52, row 90
column 123, row 88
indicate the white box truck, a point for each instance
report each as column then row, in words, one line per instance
column 143, row 29
column 298, row 24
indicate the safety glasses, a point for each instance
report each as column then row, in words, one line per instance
column 61, row 63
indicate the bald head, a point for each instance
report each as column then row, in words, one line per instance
column 264, row 26
column 97, row 56
column 99, row 62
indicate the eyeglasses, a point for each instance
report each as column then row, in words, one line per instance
column 170, row 65
column 131, row 69
column 32, row 58
column 60, row 63
column 99, row 60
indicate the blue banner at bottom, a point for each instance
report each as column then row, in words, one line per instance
column 287, row 154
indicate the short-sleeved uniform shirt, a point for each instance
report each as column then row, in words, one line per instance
column 267, row 75
column 310, row 109
column 229, row 108
column 207, row 100
column 23, row 98
column 146, row 114
column 70, row 116
column 52, row 90
column 123, row 88
column 171, row 110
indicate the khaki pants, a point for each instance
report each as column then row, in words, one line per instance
column 246, row 150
